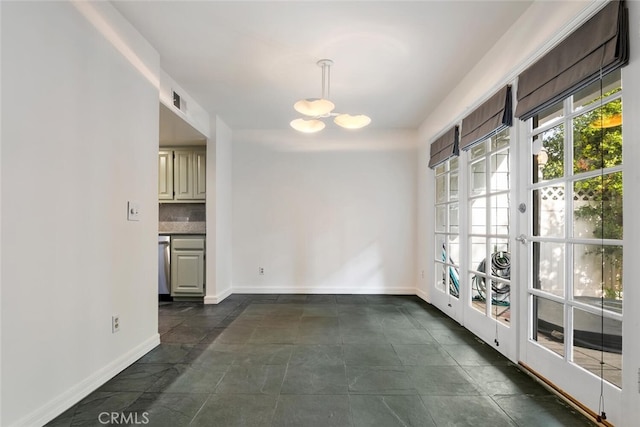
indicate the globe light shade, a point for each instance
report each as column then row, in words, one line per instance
column 348, row 121
column 314, row 107
column 307, row 126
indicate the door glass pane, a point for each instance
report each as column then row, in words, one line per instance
column 597, row 138
column 550, row 160
column 478, row 215
column 500, row 140
column 453, row 186
column 478, row 292
column 478, row 280
column 598, row 207
column 500, row 171
column 454, row 250
column 441, row 248
column 590, row 94
column 441, row 168
column 595, row 337
column 441, row 195
column 454, row 281
column 548, row 324
column 549, row 205
column 447, row 274
column 441, row 218
column 500, row 214
column 478, row 150
column 501, row 301
column 588, row 275
column 478, row 178
column 548, row 267
column 499, row 246
column 478, row 253
column 549, row 115
column 453, row 218
column 499, row 267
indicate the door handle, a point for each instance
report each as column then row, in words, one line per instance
column 522, row 239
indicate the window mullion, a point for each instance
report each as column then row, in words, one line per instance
column 568, row 229
column 463, row 231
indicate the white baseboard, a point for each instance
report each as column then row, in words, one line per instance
column 217, row 299
column 303, row 290
column 81, row 390
column 422, row 294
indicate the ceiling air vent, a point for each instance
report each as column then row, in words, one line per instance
column 179, row 102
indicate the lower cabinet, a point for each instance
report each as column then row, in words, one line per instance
column 187, row 266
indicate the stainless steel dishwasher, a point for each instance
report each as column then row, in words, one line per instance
column 164, row 266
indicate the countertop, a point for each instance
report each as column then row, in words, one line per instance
column 174, row 227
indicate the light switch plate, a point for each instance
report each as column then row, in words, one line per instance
column 133, row 211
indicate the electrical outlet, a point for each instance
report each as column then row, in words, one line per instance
column 261, row 271
column 115, row 323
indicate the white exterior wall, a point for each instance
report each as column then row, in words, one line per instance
column 327, row 213
column 79, row 139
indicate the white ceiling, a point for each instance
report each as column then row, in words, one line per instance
column 249, row 62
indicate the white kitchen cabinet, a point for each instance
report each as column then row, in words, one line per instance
column 199, row 174
column 165, row 175
column 188, row 175
column 183, row 174
column 187, row 266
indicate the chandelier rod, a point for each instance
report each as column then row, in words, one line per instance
column 325, row 64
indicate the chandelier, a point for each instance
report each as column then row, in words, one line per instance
column 316, row 109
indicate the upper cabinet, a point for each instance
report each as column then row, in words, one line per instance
column 165, row 175
column 199, row 174
column 182, row 175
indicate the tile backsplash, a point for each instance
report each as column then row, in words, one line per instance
column 182, row 218
column 182, row 212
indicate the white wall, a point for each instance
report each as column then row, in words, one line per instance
column 79, row 139
column 194, row 114
column 219, row 214
column 327, row 213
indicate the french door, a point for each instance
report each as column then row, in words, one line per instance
column 473, row 261
column 489, row 308
column 570, row 240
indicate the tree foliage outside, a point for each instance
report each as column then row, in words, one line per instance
column 597, row 144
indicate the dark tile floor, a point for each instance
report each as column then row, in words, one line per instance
column 319, row 360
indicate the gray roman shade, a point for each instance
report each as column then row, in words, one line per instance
column 444, row 147
column 488, row 119
column 598, row 47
